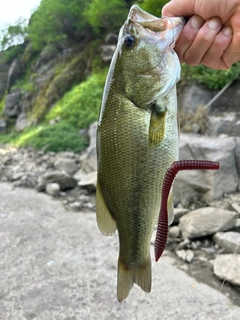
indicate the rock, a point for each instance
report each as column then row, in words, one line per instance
column 84, row 198
column 236, row 207
column 3, row 126
column 107, row 51
column 229, row 99
column 22, row 122
column 88, row 181
column 178, row 213
column 185, row 255
column 88, row 159
column 230, row 241
column 209, row 185
column 111, row 38
column 65, row 164
column 53, row 189
column 4, row 77
column 47, row 54
column 174, row 232
column 12, row 106
column 64, row 180
column 76, row 205
column 222, row 124
column 206, row 221
column 193, row 96
column 14, row 73
column 237, row 224
column 226, row 267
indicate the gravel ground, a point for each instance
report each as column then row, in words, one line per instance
column 55, row 264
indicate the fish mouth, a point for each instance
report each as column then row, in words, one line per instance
column 152, row 29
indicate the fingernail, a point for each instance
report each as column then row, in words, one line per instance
column 214, row 24
column 228, row 31
column 195, row 22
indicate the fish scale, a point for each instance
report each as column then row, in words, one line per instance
column 137, row 140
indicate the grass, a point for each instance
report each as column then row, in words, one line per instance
column 58, row 137
column 80, row 106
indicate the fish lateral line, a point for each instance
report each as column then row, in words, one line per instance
column 162, row 228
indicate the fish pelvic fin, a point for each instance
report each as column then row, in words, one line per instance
column 127, row 276
column 106, row 223
column 157, row 125
column 170, row 207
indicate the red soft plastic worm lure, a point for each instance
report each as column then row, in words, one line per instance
column 162, row 229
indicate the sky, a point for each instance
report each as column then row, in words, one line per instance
column 12, row 10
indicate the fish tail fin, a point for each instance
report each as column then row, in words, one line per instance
column 142, row 276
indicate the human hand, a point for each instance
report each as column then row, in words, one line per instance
column 212, row 34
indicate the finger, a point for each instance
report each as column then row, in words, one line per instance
column 232, row 53
column 188, row 35
column 202, row 42
column 213, row 57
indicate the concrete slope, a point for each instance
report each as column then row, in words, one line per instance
column 55, row 264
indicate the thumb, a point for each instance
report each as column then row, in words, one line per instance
column 176, row 8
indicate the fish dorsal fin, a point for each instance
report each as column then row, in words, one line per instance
column 106, row 224
column 170, row 207
column 157, row 124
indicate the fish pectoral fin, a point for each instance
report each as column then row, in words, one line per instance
column 170, row 207
column 106, row 223
column 157, row 124
column 141, row 275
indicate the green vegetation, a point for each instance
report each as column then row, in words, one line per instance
column 153, row 6
column 80, row 26
column 105, row 14
column 80, row 106
column 213, row 79
column 58, row 137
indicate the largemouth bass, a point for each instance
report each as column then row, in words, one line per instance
column 137, row 140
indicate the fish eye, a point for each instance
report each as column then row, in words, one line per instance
column 129, row 41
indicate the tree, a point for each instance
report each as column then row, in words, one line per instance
column 56, row 20
column 107, row 15
column 153, row 6
column 13, row 34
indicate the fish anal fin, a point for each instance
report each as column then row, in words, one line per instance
column 106, row 223
column 141, row 275
column 170, row 207
column 157, row 125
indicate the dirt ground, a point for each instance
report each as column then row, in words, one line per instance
column 55, row 264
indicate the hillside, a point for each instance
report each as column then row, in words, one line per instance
column 51, row 84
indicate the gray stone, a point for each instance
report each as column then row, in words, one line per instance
column 76, row 205
column 62, row 178
column 3, row 126
column 53, row 189
column 230, row 241
column 111, row 38
column 88, row 181
column 236, row 207
column 178, row 213
column 193, row 96
column 3, row 76
column 224, row 123
column 226, row 267
column 207, row 184
column 14, row 73
column 23, row 122
column 107, row 51
column 65, row 164
column 174, row 232
column 185, row 255
column 206, row 221
column 12, row 106
column 88, row 159
column 229, row 100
